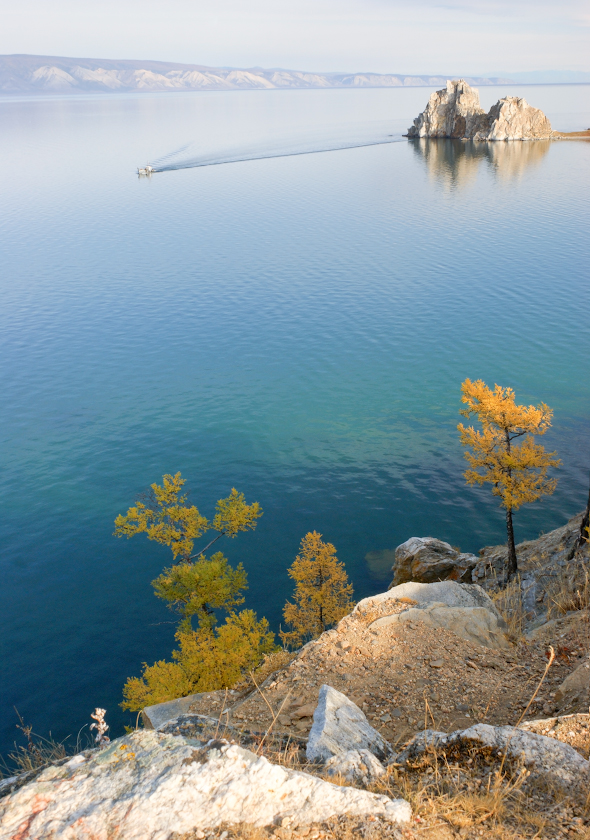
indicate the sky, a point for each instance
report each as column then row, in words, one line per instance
column 472, row 37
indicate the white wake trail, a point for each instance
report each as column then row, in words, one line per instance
column 331, row 139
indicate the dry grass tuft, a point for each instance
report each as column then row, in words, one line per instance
column 570, row 590
column 508, row 602
column 38, row 752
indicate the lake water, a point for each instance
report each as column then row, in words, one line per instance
column 296, row 327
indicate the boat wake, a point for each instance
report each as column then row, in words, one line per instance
column 345, row 137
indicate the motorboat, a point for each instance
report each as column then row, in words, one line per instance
column 146, row 170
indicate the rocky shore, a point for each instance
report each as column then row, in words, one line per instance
column 448, row 706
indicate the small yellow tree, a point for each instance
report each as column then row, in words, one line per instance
column 196, row 585
column 322, row 592
column 516, row 471
column 211, row 656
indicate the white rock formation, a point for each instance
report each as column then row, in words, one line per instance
column 340, row 726
column 512, row 118
column 149, row 786
column 161, row 713
column 447, row 592
column 556, row 762
column 356, row 766
column 475, row 624
column 455, row 112
column 465, row 609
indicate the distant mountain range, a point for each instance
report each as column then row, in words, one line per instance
column 55, row 74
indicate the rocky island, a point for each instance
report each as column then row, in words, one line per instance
column 455, row 113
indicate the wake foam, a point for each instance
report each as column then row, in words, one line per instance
column 333, row 139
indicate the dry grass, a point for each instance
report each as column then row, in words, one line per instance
column 508, row 602
column 570, row 590
column 39, row 751
column 36, row 753
column 457, row 792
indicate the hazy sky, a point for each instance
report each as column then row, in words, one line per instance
column 397, row 36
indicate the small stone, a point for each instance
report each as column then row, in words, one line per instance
column 284, row 720
column 436, row 663
column 397, row 713
column 303, row 711
column 462, row 707
column 356, row 766
column 385, row 718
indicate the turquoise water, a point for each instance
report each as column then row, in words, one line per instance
column 296, row 327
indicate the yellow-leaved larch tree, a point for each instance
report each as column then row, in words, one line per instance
column 200, row 587
column 322, row 593
column 504, row 453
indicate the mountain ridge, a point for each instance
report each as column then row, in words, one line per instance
column 23, row 73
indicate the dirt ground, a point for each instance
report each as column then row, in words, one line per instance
column 407, row 677
column 410, row 677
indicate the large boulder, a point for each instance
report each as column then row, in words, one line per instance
column 150, row 786
column 512, row 118
column 455, row 112
column 475, row 624
column 447, row 592
column 161, row 713
column 464, row 609
column 340, row 726
column 426, row 560
column 546, row 758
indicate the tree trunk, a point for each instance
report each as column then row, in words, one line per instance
column 322, row 625
column 583, row 533
column 512, row 567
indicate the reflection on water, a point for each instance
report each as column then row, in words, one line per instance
column 380, row 563
column 455, row 163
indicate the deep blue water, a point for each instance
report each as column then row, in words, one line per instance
column 295, row 327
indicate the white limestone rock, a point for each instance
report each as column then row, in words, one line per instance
column 512, row 118
column 162, row 713
column 547, row 758
column 447, row 592
column 148, row 786
column 340, row 726
column 475, row 624
column 454, row 111
column 355, row 766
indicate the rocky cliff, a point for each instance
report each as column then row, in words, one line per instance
column 417, row 692
column 455, row 112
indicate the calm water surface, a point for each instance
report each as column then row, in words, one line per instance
column 297, row 327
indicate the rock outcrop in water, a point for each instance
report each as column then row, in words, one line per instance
column 456, row 113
